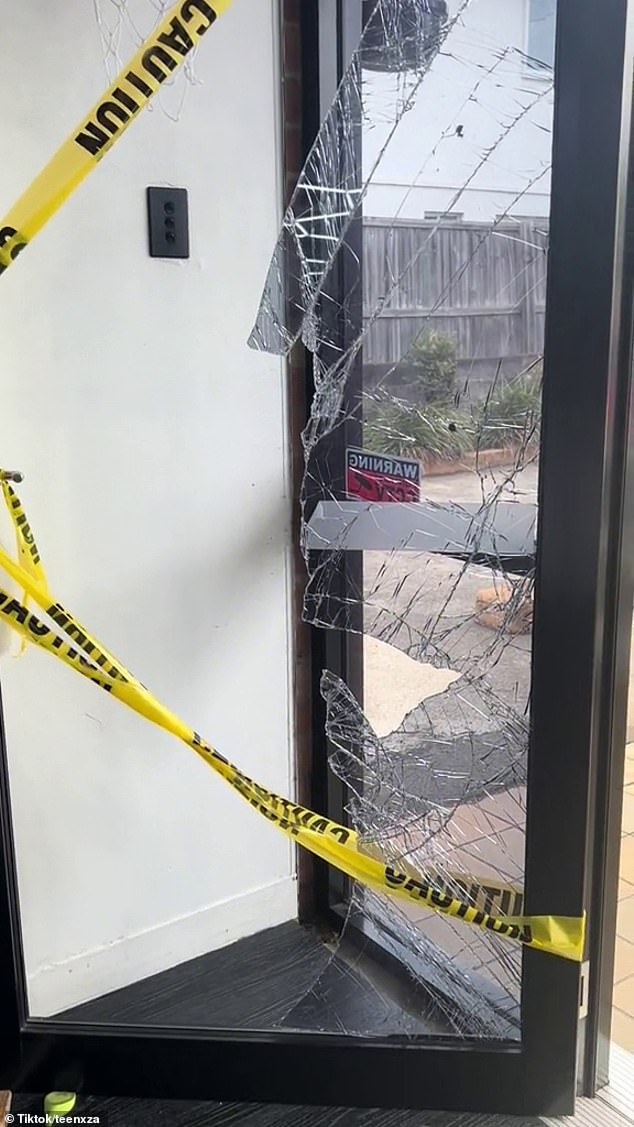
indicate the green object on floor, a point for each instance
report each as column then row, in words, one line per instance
column 59, row 1103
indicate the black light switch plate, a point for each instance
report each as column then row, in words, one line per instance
column 168, row 216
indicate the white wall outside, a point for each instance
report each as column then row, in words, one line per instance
column 153, row 443
column 427, row 163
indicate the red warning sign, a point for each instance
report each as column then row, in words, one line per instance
column 379, row 477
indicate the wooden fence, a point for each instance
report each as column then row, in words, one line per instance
column 483, row 285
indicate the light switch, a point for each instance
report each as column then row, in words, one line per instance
column 168, row 218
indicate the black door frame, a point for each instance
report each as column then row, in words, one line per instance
column 582, row 494
column 582, row 498
column 612, row 473
column 339, row 25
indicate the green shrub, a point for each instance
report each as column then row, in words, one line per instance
column 393, row 427
column 511, row 414
column 428, row 372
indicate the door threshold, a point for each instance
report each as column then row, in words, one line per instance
column 613, row 1106
column 590, row 1113
column 619, row 1093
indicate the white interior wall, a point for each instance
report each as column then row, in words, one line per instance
column 153, row 443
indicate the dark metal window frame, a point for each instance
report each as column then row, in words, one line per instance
column 614, row 670
column 587, row 373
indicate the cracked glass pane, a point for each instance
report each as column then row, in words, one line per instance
column 412, row 265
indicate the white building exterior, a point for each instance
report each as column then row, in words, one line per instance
column 475, row 140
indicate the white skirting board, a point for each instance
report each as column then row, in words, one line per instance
column 132, row 958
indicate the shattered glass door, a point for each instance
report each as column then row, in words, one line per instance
column 428, row 192
column 412, row 267
column 442, row 752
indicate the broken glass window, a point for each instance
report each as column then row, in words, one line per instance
column 412, row 265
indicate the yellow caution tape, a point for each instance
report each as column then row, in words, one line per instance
column 27, row 552
column 162, row 54
column 463, row 897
